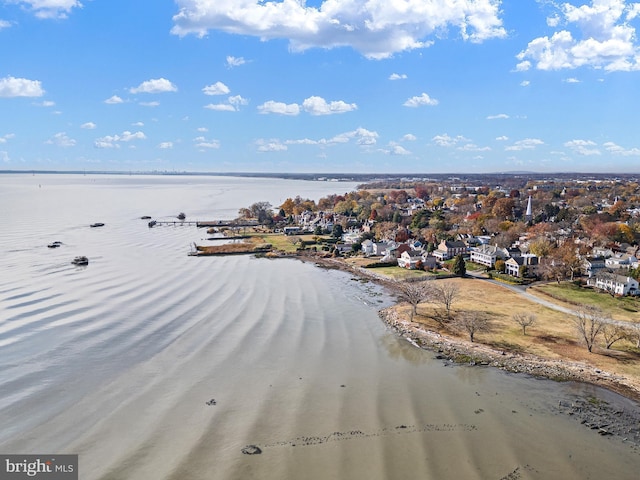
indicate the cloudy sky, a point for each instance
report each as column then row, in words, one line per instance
column 320, row 86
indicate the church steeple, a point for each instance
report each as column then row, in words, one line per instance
column 529, row 215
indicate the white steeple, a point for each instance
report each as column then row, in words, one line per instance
column 529, row 213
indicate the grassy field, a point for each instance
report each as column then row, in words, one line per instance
column 552, row 336
column 625, row 308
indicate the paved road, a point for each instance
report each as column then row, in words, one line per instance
column 522, row 290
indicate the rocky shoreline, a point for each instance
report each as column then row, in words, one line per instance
column 595, row 414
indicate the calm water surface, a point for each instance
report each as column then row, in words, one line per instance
column 117, row 361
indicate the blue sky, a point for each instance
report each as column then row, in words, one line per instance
column 359, row 86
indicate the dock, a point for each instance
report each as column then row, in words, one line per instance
column 203, row 224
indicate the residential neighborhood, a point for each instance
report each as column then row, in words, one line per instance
column 510, row 226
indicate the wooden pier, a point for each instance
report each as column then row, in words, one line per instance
column 203, row 224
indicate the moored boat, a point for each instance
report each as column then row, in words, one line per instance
column 80, row 260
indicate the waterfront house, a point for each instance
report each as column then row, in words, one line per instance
column 448, row 249
column 410, row 259
column 521, row 265
column 487, row 255
column 616, row 284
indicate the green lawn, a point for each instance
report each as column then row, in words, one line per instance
column 624, row 308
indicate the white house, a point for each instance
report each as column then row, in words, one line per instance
column 617, row 284
column 409, row 259
column 620, row 260
column 487, row 255
column 513, row 265
column 367, row 247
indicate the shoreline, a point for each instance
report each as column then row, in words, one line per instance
column 463, row 351
column 593, row 413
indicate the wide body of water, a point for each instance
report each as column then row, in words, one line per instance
column 116, row 361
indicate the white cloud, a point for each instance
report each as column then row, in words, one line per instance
column 502, row 138
column 500, row 116
column 149, row 104
column 137, row 124
column 233, row 105
column 409, row 137
column 526, row 144
column 50, row 8
column 112, row 141
column 46, row 104
column 363, row 136
column 319, row 106
column 156, row 85
column 61, row 140
column 472, row 147
column 203, row 144
column 220, row 107
column 571, row 80
column 202, row 129
column 4, row 157
column 217, row 88
column 88, row 126
column 4, row 24
column 235, row 61
column 420, row 101
column 165, row 145
column 375, row 28
column 445, row 140
column 583, row 147
column 8, row 136
column 525, row 83
column 396, row 76
column 271, row 146
column 398, row 150
column 20, row 87
column 279, row 108
column 114, row 100
column 596, row 35
column 553, row 21
column 237, row 100
column 618, row 150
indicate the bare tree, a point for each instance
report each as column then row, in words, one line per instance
column 445, row 293
column 612, row 333
column 413, row 293
column 633, row 333
column 474, row 322
column 524, row 320
column 589, row 322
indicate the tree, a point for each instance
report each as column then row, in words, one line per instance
column 459, row 266
column 445, row 293
column 612, row 333
column 337, row 231
column 503, row 208
column 524, row 320
column 413, row 293
column 474, row 322
column 589, row 322
column 500, row 265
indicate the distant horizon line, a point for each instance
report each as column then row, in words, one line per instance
column 323, row 175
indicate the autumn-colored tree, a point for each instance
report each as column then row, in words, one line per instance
column 541, row 247
column 503, row 208
column 288, row 206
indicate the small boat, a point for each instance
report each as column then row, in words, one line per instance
column 97, row 224
column 81, row 260
column 152, row 223
column 55, row 244
column 181, row 216
column 145, row 217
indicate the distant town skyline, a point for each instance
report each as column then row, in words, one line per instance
column 353, row 86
